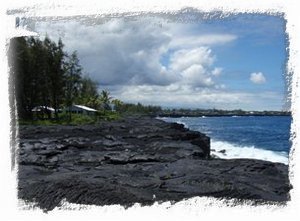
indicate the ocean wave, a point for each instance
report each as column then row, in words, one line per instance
column 183, row 123
column 235, row 151
column 229, row 151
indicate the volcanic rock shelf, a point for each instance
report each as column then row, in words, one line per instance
column 136, row 160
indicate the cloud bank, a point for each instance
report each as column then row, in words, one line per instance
column 151, row 61
column 142, row 53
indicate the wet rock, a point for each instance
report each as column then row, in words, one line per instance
column 177, row 126
column 222, row 151
column 213, row 156
column 203, row 142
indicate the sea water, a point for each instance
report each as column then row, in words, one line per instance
column 258, row 137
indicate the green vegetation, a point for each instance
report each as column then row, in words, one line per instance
column 43, row 75
column 105, row 99
column 127, row 109
column 63, row 120
column 109, row 115
column 76, row 119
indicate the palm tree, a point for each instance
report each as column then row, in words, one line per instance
column 118, row 104
column 105, row 99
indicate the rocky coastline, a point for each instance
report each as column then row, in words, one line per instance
column 136, row 160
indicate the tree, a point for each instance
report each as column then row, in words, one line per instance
column 118, row 104
column 18, row 62
column 72, row 70
column 88, row 94
column 37, row 90
column 55, row 56
column 105, row 99
column 42, row 74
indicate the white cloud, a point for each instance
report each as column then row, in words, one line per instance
column 116, row 52
column 196, row 75
column 176, row 96
column 202, row 40
column 217, row 71
column 194, row 66
column 184, row 58
column 139, row 61
column 257, row 78
column 122, row 52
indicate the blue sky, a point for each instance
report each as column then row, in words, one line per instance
column 235, row 62
column 260, row 51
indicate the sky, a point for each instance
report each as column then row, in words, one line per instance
column 237, row 62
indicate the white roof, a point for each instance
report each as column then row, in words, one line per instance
column 40, row 108
column 85, row 108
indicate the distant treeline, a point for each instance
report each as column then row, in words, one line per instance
column 42, row 73
column 127, row 108
column 217, row 112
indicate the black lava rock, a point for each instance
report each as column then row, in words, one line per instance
column 130, row 161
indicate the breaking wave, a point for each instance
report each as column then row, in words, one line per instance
column 229, row 151
column 226, row 149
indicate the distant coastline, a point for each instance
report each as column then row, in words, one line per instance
column 219, row 113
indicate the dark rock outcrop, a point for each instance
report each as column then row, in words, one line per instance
column 135, row 160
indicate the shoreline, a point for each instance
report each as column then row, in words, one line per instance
column 220, row 115
column 136, row 160
column 230, row 150
column 226, row 150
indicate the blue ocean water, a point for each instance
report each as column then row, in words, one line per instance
column 260, row 137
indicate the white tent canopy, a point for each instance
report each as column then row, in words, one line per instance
column 42, row 108
column 85, row 108
column 81, row 109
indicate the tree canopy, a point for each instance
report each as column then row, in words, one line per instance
column 44, row 74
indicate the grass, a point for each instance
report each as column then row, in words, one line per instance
column 108, row 115
column 76, row 119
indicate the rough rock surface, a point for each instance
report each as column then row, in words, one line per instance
column 135, row 160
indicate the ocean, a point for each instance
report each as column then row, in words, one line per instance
column 258, row 137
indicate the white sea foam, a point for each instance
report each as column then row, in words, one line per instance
column 177, row 121
column 184, row 124
column 233, row 151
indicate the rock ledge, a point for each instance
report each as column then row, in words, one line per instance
column 136, row 160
